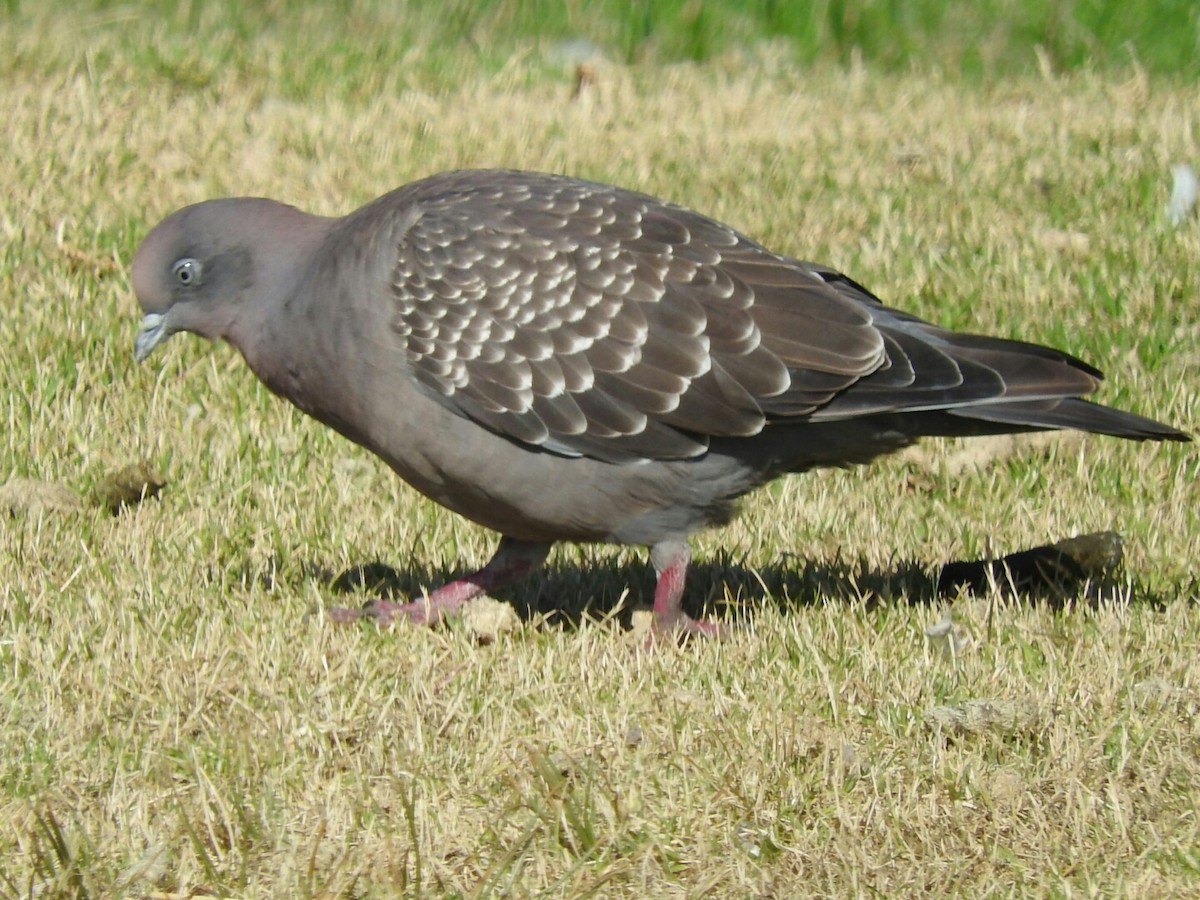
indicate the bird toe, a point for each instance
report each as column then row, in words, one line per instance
column 681, row 627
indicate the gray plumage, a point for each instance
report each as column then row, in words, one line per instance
column 562, row 360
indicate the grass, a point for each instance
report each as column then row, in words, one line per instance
column 172, row 725
column 362, row 48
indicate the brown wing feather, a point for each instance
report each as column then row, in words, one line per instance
column 599, row 321
column 590, row 320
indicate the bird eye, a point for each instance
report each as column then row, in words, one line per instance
column 186, row 272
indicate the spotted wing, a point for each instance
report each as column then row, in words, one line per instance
column 595, row 321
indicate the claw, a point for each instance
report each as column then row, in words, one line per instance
column 513, row 560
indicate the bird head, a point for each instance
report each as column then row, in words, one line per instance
column 203, row 268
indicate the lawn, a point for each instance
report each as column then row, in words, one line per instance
column 175, row 723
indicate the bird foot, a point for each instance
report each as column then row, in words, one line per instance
column 680, row 628
column 670, row 622
column 513, row 560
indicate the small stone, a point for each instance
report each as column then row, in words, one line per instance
column 486, row 619
column 952, row 638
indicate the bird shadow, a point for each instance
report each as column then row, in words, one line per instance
column 613, row 586
column 567, row 593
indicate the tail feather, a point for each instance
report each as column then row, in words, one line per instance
column 951, row 383
column 1075, row 413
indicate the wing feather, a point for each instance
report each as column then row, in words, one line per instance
column 594, row 321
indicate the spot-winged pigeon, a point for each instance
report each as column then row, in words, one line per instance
column 562, row 360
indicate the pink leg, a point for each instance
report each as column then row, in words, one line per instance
column 513, row 561
column 670, row 561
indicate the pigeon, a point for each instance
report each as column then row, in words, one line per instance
column 563, row 360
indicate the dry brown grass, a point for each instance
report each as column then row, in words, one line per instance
column 172, row 724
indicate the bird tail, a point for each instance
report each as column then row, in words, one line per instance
column 1038, row 415
column 1075, row 413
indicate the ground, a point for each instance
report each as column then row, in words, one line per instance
column 174, row 722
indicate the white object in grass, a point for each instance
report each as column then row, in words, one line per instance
column 1183, row 193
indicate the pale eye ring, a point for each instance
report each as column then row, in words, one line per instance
column 186, row 272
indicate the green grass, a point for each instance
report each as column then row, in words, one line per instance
column 363, row 47
column 170, row 722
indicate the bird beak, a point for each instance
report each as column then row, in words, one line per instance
column 153, row 332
